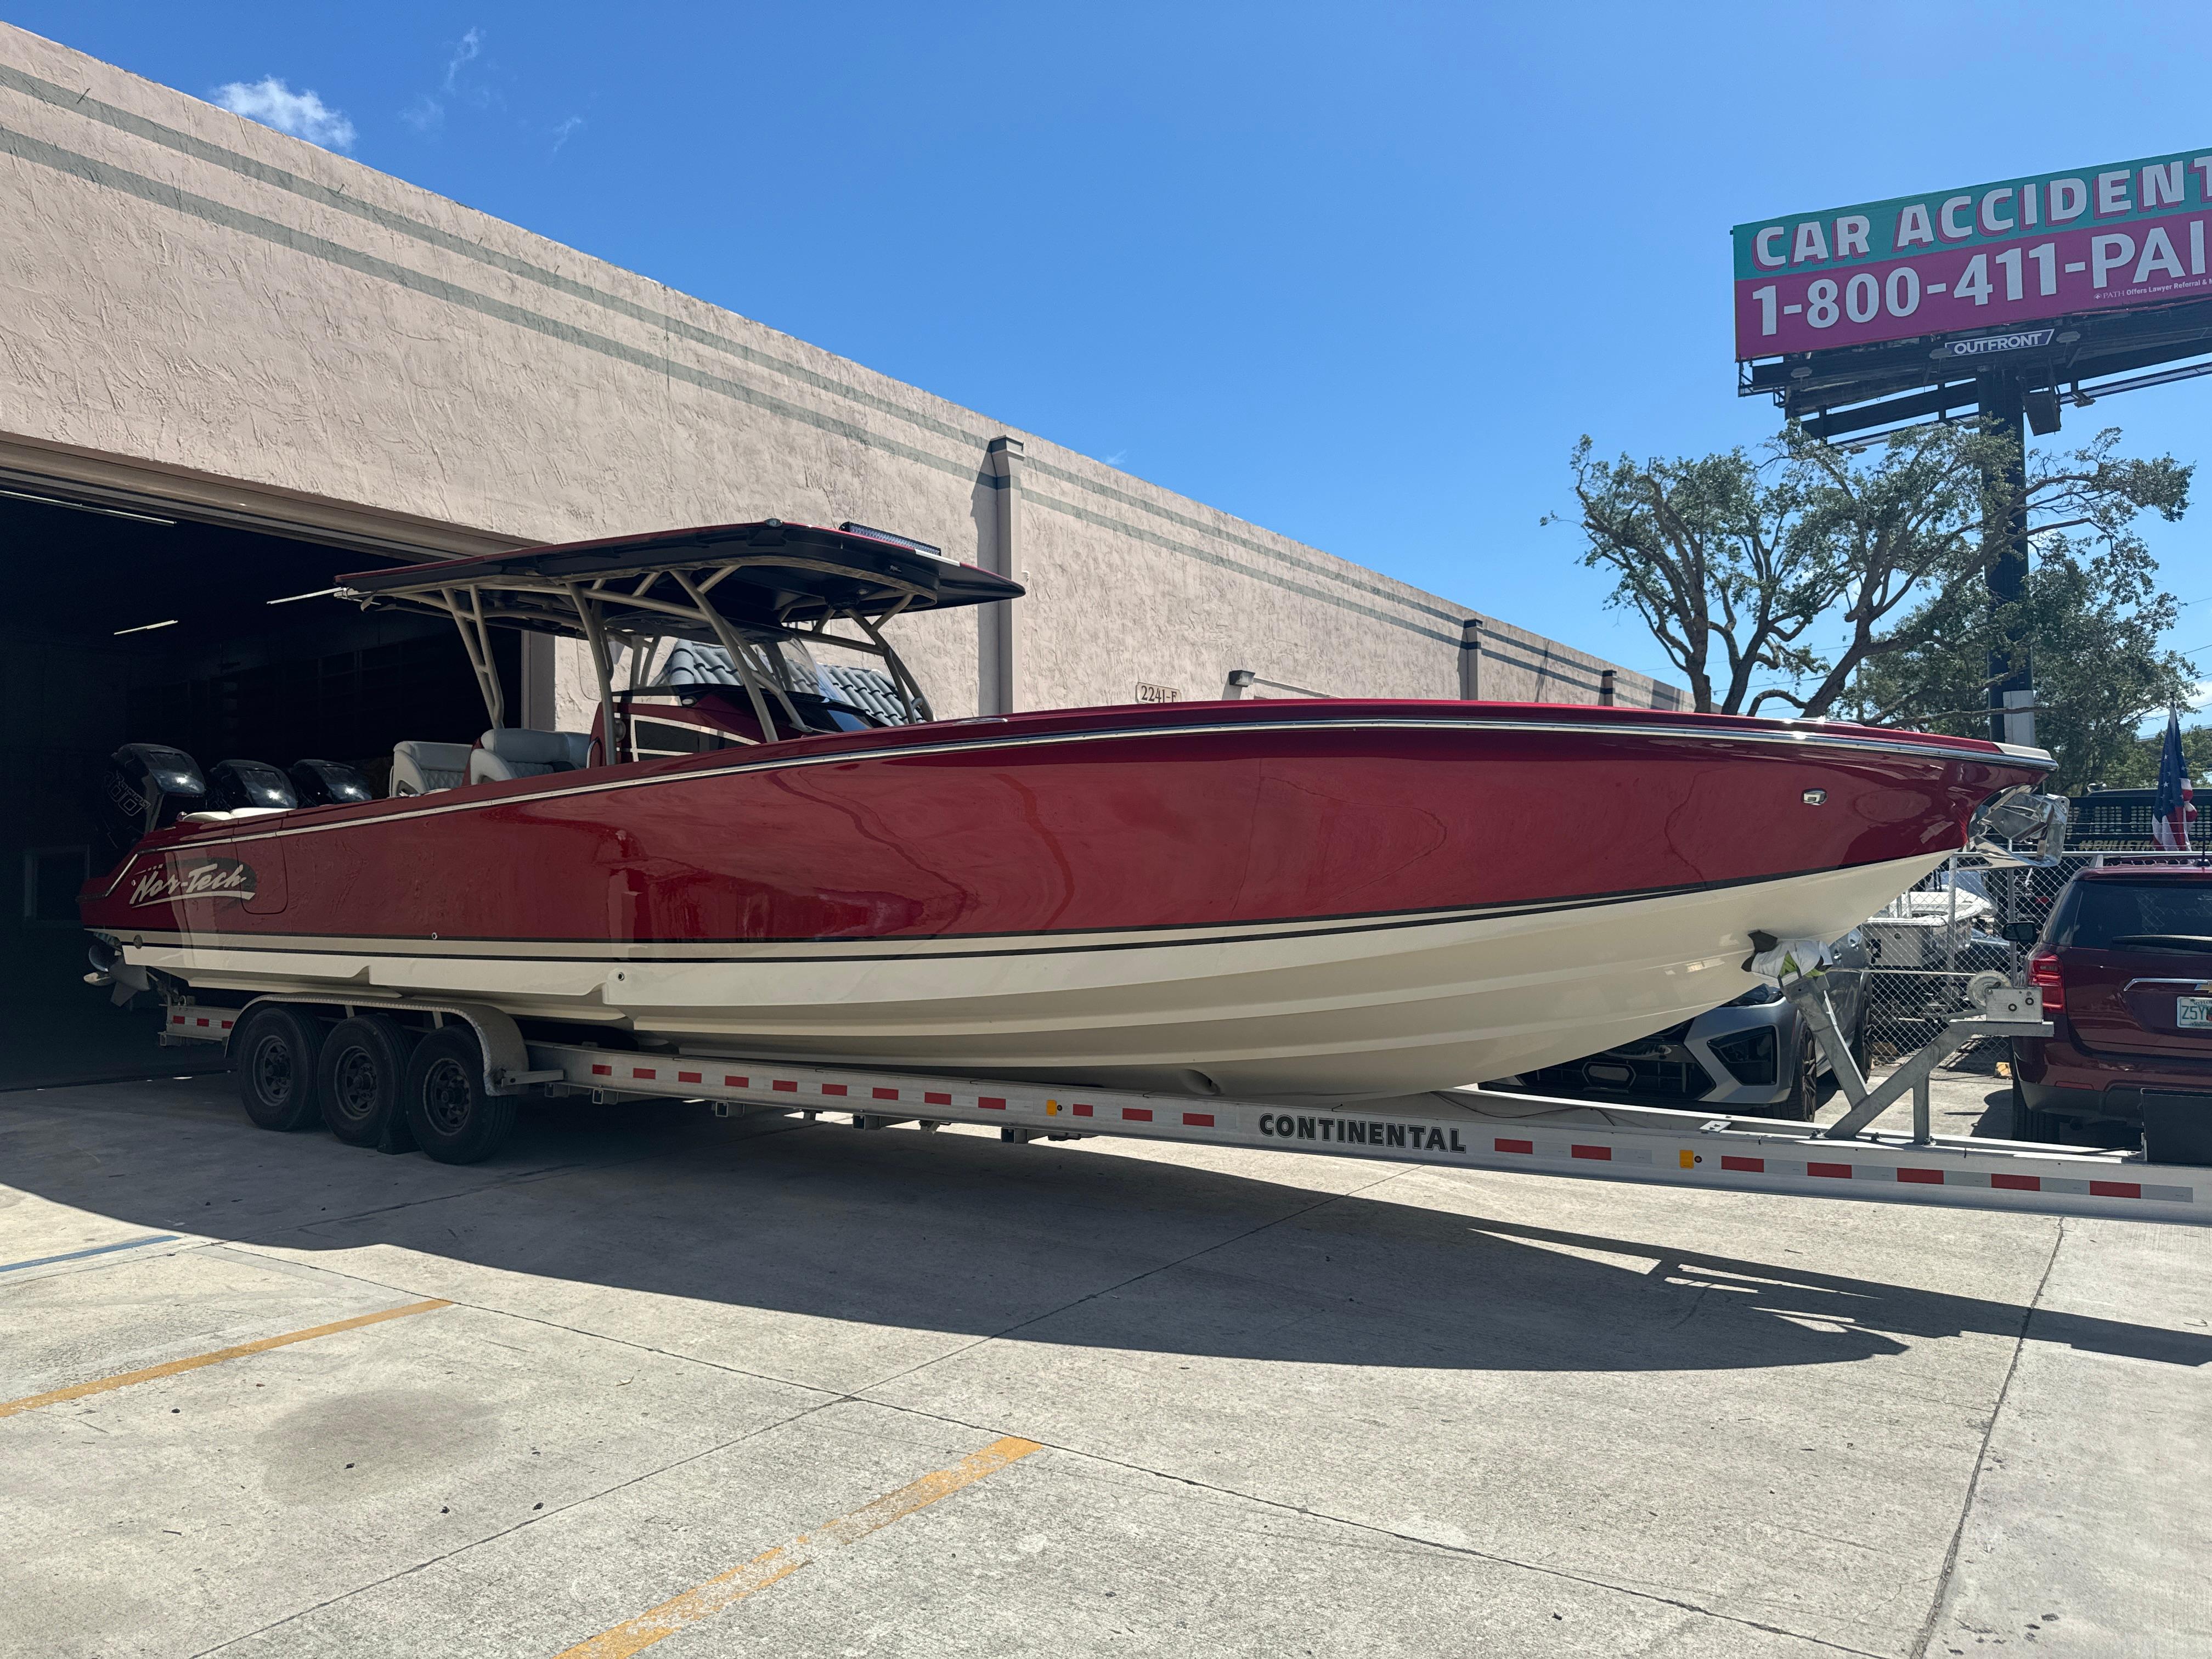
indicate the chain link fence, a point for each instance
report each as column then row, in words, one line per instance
column 1922, row 950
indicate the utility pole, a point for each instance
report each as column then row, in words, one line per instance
column 2004, row 410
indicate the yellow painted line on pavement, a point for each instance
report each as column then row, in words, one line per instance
column 771, row 1566
column 175, row 1367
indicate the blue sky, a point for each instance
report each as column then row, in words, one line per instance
column 1362, row 274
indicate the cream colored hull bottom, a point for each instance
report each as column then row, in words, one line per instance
column 1372, row 1010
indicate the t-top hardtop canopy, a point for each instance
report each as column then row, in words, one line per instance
column 741, row 587
column 768, row 575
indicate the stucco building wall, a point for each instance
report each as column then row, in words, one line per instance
column 207, row 309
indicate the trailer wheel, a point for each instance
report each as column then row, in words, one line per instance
column 277, row 1055
column 2028, row 1124
column 1804, row 1097
column 454, row 1118
column 363, row 1072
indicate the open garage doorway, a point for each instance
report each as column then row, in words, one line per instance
column 119, row 627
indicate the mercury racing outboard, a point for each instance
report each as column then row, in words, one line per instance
column 148, row 786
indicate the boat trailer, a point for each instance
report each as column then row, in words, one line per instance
column 1455, row 1128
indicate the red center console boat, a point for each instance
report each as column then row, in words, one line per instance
column 756, row 853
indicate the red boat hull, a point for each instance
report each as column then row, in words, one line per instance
column 981, row 846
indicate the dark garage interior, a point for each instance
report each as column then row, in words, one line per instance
column 131, row 626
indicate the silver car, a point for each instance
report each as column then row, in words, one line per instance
column 1754, row 1056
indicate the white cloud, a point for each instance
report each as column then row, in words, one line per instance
column 1117, row 457
column 426, row 114
column 565, row 131
column 464, row 51
column 302, row 114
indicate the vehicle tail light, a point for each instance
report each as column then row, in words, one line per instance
column 2043, row 974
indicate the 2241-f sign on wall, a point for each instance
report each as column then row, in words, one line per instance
column 1993, row 257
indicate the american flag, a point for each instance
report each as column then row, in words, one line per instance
column 2173, row 808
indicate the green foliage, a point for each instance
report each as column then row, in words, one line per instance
column 2134, row 765
column 2090, row 619
column 1827, row 580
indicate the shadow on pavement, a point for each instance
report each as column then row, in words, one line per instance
column 957, row 1234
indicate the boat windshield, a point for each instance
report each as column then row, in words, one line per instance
column 814, row 696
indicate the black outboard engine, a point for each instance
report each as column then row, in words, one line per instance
column 328, row 783
column 233, row 784
column 147, row 785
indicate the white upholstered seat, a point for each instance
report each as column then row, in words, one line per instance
column 509, row 751
column 422, row 769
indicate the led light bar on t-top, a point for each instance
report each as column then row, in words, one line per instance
column 2052, row 279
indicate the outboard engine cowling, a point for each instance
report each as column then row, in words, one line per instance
column 147, row 785
column 328, row 783
column 233, row 784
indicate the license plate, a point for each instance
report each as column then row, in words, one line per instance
column 2193, row 1013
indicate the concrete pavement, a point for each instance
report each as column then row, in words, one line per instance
column 1279, row 1404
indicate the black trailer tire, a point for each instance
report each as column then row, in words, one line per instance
column 2028, row 1124
column 1804, row 1097
column 454, row 1118
column 364, row 1075
column 277, row 1054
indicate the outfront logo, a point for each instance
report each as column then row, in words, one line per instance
column 213, row 879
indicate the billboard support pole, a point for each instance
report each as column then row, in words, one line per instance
column 2003, row 408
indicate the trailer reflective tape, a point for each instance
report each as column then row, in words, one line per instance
column 202, row 1021
column 1691, row 1149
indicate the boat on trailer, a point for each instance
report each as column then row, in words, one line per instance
column 766, row 844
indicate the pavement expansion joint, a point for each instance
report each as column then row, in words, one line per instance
column 1926, row 1639
column 1414, row 1541
column 462, row 1549
column 1320, row 1203
column 543, row 1323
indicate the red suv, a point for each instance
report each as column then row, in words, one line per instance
column 2124, row 964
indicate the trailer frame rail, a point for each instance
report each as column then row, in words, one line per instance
column 1458, row 1128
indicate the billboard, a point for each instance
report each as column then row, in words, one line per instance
column 1995, row 258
